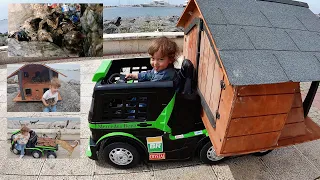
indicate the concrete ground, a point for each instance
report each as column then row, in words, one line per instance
column 299, row 162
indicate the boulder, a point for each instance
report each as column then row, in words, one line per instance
column 34, row 49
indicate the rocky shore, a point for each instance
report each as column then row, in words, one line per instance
column 141, row 24
column 3, row 39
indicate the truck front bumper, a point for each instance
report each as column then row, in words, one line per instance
column 91, row 151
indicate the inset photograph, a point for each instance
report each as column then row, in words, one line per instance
column 43, row 88
column 43, row 138
column 137, row 17
column 55, row 30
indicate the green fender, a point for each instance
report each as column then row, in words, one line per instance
column 113, row 134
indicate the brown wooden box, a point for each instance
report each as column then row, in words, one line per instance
column 241, row 119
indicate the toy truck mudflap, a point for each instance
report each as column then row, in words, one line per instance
column 91, row 151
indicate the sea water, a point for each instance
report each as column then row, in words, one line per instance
column 132, row 12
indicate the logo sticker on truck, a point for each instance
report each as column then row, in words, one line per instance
column 155, row 144
column 157, row 156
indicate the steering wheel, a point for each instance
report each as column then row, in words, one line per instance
column 112, row 78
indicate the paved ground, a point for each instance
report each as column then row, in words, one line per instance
column 300, row 162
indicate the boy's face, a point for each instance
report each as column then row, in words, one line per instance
column 158, row 62
column 54, row 89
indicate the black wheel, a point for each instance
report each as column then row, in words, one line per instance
column 262, row 153
column 208, row 154
column 120, row 155
column 36, row 154
column 51, row 155
column 14, row 150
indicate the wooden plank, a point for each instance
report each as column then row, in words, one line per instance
column 201, row 78
column 215, row 138
column 188, row 14
column 297, row 88
column 297, row 101
column 215, row 88
column 204, row 72
column 202, row 49
column 20, row 78
column 293, row 130
column 267, row 89
column 210, row 74
column 226, row 106
column 251, row 142
column 190, row 46
column 217, row 134
column 295, row 115
column 256, row 125
column 262, row 105
column 312, row 133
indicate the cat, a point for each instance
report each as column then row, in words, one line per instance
column 65, row 145
column 50, row 101
column 34, row 122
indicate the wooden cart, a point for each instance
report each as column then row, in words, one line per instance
column 34, row 81
column 251, row 56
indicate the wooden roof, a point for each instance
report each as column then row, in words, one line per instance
column 263, row 41
column 26, row 65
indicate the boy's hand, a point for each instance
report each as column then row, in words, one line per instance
column 132, row 76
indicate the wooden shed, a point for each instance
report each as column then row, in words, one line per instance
column 34, row 81
column 250, row 57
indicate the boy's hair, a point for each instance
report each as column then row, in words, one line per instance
column 24, row 129
column 55, row 82
column 166, row 46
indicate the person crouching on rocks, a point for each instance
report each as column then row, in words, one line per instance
column 22, row 139
column 50, row 97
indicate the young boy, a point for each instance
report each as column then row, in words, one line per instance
column 22, row 139
column 163, row 53
column 50, row 97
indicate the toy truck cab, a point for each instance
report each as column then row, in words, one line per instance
column 143, row 119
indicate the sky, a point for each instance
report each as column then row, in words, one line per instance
column 313, row 4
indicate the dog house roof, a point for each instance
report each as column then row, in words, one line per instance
column 263, row 41
column 28, row 65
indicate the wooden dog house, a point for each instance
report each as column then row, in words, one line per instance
column 250, row 57
column 34, row 81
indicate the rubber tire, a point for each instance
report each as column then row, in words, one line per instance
column 262, row 153
column 37, row 151
column 51, row 153
column 18, row 152
column 203, row 154
column 104, row 154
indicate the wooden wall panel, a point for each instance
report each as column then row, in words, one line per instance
column 312, row 133
column 217, row 135
column 190, row 46
column 295, row 115
column 210, row 77
column 215, row 88
column 190, row 40
column 255, row 125
column 267, row 89
column 227, row 102
column 201, row 59
column 251, row 142
column 297, row 101
column 262, row 105
column 293, row 130
column 215, row 138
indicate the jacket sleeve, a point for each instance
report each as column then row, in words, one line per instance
column 145, row 76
